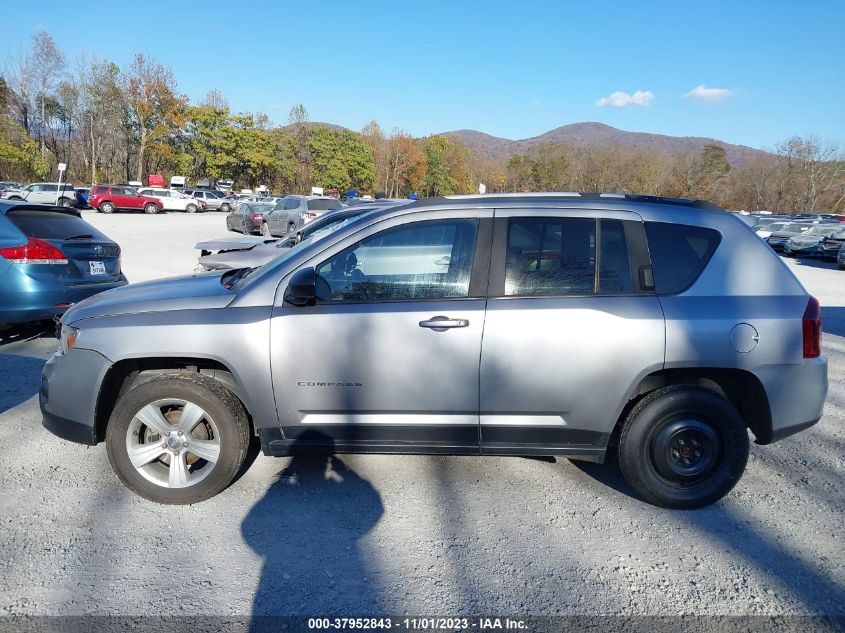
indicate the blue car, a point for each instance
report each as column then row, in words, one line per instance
column 50, row 258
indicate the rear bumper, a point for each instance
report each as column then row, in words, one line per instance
column 70, row 386
column 796, row 395
column 43, row 301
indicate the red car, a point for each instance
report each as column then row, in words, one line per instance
column 110, row 198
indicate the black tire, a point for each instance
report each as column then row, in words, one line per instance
column 106, row 207
column 683, row 447
column 65, row 202
column 291, row 228
column 191, row 208
column 225, row 207
column 229, row 417
column 841, row 266
column 150, row 208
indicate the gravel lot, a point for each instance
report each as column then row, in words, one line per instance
column 420, row 535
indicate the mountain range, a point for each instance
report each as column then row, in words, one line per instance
column 600, row 135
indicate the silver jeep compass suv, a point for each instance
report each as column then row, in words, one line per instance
column 531, row 324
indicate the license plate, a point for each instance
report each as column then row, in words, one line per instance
column 97, row 268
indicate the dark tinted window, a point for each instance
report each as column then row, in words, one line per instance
column 679, row 253
column 614, row 265
column 51, row 226
column 324, row 205
column 550, row 256
column 417, row 261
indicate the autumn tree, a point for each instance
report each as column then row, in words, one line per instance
column 154, row 109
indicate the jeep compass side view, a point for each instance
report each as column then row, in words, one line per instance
column 527, row 324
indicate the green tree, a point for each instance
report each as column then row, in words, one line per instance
column 340, row 159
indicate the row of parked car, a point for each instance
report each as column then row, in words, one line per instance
column 818, row 236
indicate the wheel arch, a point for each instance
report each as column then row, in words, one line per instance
column 740, row 387
column 128, row 373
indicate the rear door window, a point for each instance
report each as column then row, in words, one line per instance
column 679, row 253
column 48, row 225
column 550, row 256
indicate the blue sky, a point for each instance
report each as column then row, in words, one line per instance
column 511, row 69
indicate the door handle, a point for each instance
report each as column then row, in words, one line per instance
column 442, row 323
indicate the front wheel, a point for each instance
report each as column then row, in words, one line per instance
column 178, row 438
column 683, row 447
column 65, row 202
column 191, row 208
column 150, row 208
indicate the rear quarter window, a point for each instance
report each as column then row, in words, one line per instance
column 48, row 225
column 679, row 252
column 324, row 205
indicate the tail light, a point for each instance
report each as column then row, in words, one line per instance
column 256, row 218
column 811, row 325
column 309, row 214
column 35, row 251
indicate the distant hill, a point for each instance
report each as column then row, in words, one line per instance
column 597, row 134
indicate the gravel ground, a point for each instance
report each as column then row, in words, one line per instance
column 419, row 535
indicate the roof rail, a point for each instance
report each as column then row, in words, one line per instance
column 685, row 202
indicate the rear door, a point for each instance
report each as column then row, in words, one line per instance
column 571, row 328
column 92, row 258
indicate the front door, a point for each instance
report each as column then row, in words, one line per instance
column 571, row 328
column 388, row 357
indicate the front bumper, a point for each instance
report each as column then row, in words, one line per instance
column 70, row 388
column 803, row 251
column 796, row 395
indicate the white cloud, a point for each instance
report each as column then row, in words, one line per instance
column 623, row 99
column 703, row 93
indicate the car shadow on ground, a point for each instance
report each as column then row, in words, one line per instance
column 307, row 529
column 833, row 319
column 727, row 524
column 27, row 332
column 20, row 379
column 814, row 262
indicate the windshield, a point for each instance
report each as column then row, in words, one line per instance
column 774, row 226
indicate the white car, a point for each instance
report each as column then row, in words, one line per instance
column 174, row 200
column 45, row 193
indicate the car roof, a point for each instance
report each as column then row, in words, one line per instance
column 8, row 205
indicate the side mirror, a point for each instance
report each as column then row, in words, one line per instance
column 302, row 288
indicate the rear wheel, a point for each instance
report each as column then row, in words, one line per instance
column 150, row 208
column 291, row 228
column 177, row 438
column 683, row 447
column 191, row 208
column 65, row 202
column 106, row 207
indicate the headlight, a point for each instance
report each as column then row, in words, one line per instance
column 69, row 335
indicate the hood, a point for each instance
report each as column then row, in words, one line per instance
column 234, row 243
column 807, row 239
column 191, row 292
